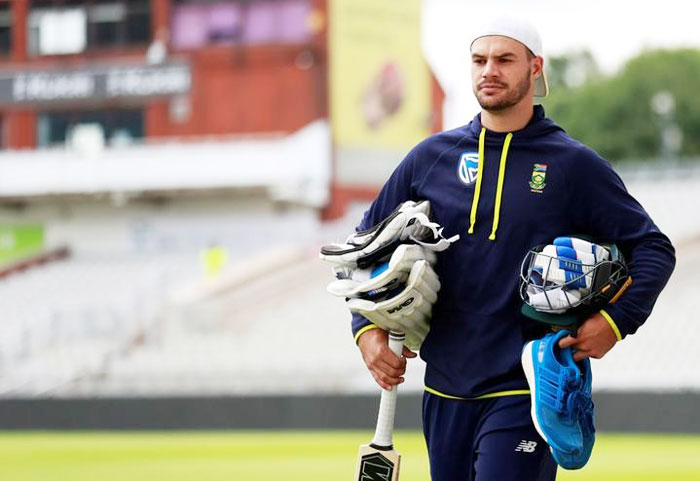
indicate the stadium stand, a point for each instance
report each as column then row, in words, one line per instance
column 64, row 319
column 150, row 324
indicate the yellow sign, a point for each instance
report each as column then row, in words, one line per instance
column 379, row 81
column 214, row 259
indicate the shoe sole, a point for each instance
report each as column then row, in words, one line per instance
column 526, row 360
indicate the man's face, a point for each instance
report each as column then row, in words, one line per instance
column 502, row 72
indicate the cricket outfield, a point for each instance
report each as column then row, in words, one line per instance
column 292, row 456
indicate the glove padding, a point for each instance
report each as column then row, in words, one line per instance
column 409, row 310
column 387, row 276
column 562, row 273
column 409, row 223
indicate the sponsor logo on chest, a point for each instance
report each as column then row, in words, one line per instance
column 468, row 172
column 468, row 167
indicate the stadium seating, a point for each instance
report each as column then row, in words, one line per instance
column 149, row 323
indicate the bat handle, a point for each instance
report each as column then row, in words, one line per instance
column 387, row 405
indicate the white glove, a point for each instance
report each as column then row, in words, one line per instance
column 565, row 269
column 409, row 223
column 554, row 301
column 384, row 277
column 410, row 310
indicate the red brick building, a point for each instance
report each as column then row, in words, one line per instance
column 146, row 71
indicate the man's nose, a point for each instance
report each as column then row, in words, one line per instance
column 490, row 69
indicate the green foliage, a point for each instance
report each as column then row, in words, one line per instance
column 614, row 115
column 572, row 70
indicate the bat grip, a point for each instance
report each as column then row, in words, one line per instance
column 387, row 405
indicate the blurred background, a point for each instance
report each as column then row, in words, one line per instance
column 170, row 168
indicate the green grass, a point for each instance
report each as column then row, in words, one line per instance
column 292, row 456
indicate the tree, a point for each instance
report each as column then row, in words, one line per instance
column 572, row 69
column 614, row 115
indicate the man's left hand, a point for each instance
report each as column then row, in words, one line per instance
column 594, row 338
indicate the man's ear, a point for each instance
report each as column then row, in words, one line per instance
column 537, row 66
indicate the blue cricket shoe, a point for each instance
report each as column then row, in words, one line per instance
column 582, row 402
column 586, row 416
column 557, row 391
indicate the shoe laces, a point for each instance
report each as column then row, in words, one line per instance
column 577, row 402
column 560, row 390
column 584, row 408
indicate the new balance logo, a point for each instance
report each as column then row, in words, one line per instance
column 526, row 446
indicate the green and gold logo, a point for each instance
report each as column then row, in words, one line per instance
column 539, row 173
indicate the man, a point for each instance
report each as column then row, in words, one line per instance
column 505, row 182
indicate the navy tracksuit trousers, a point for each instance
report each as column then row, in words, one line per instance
column 484, row 440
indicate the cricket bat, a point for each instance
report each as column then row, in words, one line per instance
column 378, row 461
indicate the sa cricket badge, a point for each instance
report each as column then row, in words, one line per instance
column 539, row 173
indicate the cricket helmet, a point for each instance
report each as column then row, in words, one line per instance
column 562, row 285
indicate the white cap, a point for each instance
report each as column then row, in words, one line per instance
column 522, row 31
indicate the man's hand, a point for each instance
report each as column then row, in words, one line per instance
column 594, row 338
column 385, row 367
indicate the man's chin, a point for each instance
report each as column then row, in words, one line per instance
column 486, row 100
column 491, row 104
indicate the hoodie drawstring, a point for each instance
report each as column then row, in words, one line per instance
column 477, row 191
column 499, row 187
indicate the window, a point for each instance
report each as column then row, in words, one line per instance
column 138, row 22
column 57, row 31
column 5, row 28
column 69, row 26
column 116, row 127
column 119, row 23
column 196, row 24
column 105, row 21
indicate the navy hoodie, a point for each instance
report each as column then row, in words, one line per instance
column 547, row 185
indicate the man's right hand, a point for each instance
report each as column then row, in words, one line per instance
column 385, row 367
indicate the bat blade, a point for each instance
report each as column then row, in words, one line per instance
column 378, row 461
column 375, row 464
